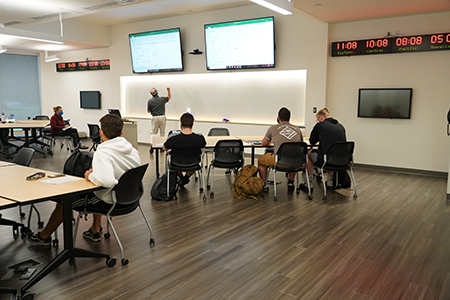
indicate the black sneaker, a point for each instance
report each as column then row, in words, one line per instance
column 304, row 187
column 185, row 180
column 290, row 185
column 95, row 237
column 35, row 238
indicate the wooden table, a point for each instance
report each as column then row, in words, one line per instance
column 32, row 125
column 15, row 187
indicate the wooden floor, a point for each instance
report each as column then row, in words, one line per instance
column 392, row 242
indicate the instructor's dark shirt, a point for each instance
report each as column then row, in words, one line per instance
column 157, row 105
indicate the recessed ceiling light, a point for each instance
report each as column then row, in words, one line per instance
column 317, row 4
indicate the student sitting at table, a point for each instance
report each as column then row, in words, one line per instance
column 114, row 156
column 59, row 128
column 279, row 134
column 185, row 143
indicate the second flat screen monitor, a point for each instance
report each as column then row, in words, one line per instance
column 156, row 51
column 240, row 44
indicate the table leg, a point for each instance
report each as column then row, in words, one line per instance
column 157, row 162
column 253, row 155
column 68, row 252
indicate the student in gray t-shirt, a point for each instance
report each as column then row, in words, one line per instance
column 157, row 107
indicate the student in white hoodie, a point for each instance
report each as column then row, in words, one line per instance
column 114, row 156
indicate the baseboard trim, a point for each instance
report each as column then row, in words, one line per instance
column 401, row 170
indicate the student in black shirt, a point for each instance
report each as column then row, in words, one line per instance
column 185, row 143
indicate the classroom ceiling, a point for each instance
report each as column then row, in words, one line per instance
column 15, row 13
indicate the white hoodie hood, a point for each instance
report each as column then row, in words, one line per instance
column 112, row 158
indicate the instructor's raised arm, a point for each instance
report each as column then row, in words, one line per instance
column 168, row 91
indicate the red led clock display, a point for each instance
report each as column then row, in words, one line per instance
column 89, row 65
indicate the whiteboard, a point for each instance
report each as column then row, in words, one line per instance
column 242, row 97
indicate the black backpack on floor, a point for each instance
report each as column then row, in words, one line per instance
column 344, row 181
column 78, row 163
column 159, row 188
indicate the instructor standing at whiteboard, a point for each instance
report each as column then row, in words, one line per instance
column 157, row 107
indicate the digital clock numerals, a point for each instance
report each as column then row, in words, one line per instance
column 373, row 46
column 409, row 44
column 377, row 46
column 83, row 65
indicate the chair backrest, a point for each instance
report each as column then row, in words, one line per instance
column 292, row 154
column 185, row 160
column 229, row 151
column 129, row 188
column 219, row 132
column 24, row 157
column 94, row 132
column 340, row 154
column 41, row 117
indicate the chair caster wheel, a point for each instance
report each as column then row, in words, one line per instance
column 204, row 198
column 196, row 179
column 309, row 197
column 208, row 187
column 201, row 190
column 152, row 242
column 211, row 194
column 166, row 199
column 275, row 199
column 55, row 243
column 40, row 224
column 355, row 196
column 125, row 262
column 324, row 198
column 110, row 262
column 107, row 235
column 228, row 172
column 298, row 191
column 24, row 230
column 151, row 150
column 27, row 296
column 22, row 215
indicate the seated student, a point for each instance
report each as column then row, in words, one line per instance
column 279, row 134
column 4, row 134
column 114, row 156
column 326, row 131
column 57, row 126
column 185, row 143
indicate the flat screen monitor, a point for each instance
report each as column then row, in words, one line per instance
column 240, row 44
column 90, row 99
column 156, row 51
column 114, row 111
column 390, row 103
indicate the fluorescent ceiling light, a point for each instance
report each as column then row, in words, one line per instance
column 3, row 49
column 283, row 7
column 32, row 35
column 51, row 57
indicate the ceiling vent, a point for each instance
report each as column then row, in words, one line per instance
column 50, row 16
column 108, row 4
column 10, row 23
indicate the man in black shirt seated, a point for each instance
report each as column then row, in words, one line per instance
column 185, row 143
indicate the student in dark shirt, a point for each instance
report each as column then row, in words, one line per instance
column 185, row 143
column 327, row 131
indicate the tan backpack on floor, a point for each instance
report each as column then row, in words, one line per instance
column 247, row 184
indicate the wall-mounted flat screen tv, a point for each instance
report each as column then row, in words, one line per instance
column 390, row 103
column 90, row 99
column 240, row 44
column 156, row 51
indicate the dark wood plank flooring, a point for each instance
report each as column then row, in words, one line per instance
column 392, row 242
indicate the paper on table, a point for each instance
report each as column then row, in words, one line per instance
column 59, row 180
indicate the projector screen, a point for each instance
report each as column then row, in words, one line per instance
column 156, row 51
column 240, row 44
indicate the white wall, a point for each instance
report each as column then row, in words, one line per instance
column 418, row 143
column 64, row 88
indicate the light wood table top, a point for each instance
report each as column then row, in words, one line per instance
column 16, row 187
column 26, row 124
column 6, row 164
column 5, row 203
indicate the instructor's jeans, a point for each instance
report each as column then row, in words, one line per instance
column 158, row 123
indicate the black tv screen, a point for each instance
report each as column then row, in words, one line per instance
column 390, row 103
column 90, row 99
column 240, row 44
column 156, row 51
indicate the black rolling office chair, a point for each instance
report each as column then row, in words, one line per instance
column 227, row 154
column 24, row 158
column 184, row 163
column 292, row 157
column 94, row 134
column 126, row 196
column 216, row 131
column 339, row 157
